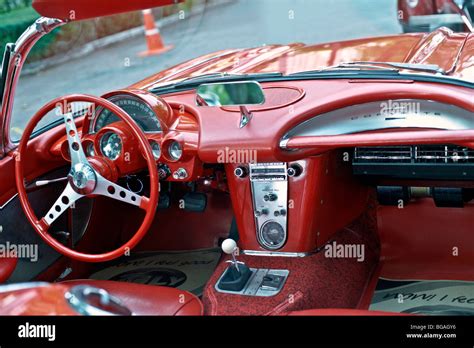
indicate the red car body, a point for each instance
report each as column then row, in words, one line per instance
column 328, row 198
column 427, row 15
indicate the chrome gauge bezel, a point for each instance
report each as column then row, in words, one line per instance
column 105, row 138
column 155, row 149
column 115, row 99
column 170, row 150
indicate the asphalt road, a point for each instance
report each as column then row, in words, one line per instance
column 244, row 23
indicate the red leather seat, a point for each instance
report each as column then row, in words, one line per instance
column 7, row 266
column 343, row 311
column 148, row 299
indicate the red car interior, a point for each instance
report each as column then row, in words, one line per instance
column 328, row 202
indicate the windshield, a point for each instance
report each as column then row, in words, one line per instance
column 100, row 55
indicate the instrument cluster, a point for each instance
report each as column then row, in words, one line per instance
column 171, row 132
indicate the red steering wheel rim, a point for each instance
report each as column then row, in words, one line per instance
column 149, row 205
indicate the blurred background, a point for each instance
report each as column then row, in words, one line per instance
column 100, row 55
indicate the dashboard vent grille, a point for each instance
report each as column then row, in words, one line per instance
column 443, row 154
column 387, row 154
column 450, row 154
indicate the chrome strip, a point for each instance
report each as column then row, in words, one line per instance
column 384, row 114
column 21, row 286
column 23, row 46
column 275, row 253
column 8, row 201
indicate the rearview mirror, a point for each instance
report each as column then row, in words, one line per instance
column 230, row 94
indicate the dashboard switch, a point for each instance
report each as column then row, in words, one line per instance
column 163, row 171
column 294, row 170
column 180, row 174
column 240, row 172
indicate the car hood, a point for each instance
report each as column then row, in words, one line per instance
column 453, row 52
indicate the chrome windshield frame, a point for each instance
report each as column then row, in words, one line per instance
column 21, row 49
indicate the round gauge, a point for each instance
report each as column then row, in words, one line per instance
column 111, row 145
column 272, row 235
column 156, row 149
column 140, row 112
column 175, row 150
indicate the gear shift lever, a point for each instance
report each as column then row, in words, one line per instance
column 237, row 274
column 229, row 246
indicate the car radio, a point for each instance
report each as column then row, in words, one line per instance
column 270, row 202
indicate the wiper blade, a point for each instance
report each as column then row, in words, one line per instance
column 390, row 67
column 403, row 66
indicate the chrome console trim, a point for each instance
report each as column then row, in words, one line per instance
column 255, row 286
column 275, row 253
column 269, row 187
column 383, row 114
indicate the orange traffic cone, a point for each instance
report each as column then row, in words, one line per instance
column 153, row 38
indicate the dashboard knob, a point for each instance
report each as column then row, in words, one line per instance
column 163, row 171
column 294, row 170
column 240, row 172
column 181, row 174
column 272, row 197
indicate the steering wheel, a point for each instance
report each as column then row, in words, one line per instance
column 86, row 181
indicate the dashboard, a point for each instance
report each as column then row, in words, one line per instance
column 189, row 142
column 183, row 136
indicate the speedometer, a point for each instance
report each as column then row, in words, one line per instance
column 140, row 112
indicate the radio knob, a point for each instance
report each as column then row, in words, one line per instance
column 264, row 211
column 272, row 197
column 240, row 172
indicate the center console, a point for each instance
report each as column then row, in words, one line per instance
column 293, row 208
column 270, row 201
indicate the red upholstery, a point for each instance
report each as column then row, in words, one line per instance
column 342, row 311
column 7, row 266
column 148, row 299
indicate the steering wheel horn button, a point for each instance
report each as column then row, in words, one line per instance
column 82, row 178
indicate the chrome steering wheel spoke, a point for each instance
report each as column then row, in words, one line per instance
column 76, row 151
column 67, row 198
column 109, row 189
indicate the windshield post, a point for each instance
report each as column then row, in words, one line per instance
column 12, row 70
